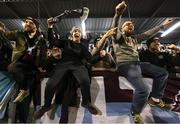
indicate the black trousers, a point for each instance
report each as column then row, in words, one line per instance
column 23, row 74
column 79, row 72
column 68, row 92
column 67, row 96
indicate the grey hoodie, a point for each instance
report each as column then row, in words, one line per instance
column 125, row 47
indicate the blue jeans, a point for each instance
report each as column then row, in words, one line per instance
column 133, row 73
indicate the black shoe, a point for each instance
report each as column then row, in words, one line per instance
column 90, row 108
column 176, row 109
column 38, row 114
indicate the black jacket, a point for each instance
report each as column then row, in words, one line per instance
column 5, row 52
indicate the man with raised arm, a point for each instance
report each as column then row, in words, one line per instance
column 125, row 48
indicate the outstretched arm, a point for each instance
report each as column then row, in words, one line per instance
column 146, row 35
column 50, row 33
column 174, row 47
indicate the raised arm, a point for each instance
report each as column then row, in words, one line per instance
column 120, row 8
column 53, row 40
column 146, row 35
column 50, row 32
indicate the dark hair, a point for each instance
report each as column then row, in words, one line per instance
column 149, row 41
column 34, row 21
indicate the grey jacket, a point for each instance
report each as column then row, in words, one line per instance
column 125, row 47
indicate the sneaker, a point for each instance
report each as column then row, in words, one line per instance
column 21, row 96
column 176, row 109
column 137, row 118
column 90, row 108
column 38, row 114
column 159, row 104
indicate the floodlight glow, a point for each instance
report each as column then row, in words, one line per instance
column 83, row 28
column 170, row 29
column 23, row 24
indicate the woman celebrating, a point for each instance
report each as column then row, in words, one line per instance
column 73, row 55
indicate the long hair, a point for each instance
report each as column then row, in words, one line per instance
column 72, row 30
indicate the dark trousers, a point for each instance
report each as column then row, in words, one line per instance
column 133, row 73
column 67, row 97
column 79, row 72
column 25, row 77
column 23, row 74
column 67, row 93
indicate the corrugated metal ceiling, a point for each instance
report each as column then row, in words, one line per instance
column 144, row 13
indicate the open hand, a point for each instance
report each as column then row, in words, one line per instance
column 111, row 32
column 167, row 21
column 55, row 52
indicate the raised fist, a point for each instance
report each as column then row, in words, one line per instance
column 121, row 7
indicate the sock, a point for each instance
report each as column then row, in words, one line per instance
column 155, row 99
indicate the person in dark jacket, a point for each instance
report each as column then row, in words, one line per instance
column 70, row 63
column 28, row 56
column 156, row 56
column 5, row 49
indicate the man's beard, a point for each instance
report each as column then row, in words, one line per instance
column 28, row 30
column 129, row 33
column 155, row 50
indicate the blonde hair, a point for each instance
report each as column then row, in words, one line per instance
column 72, row 30
column 124, row 24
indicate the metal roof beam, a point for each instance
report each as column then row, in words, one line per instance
column 13, row 11
column 153, row 14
